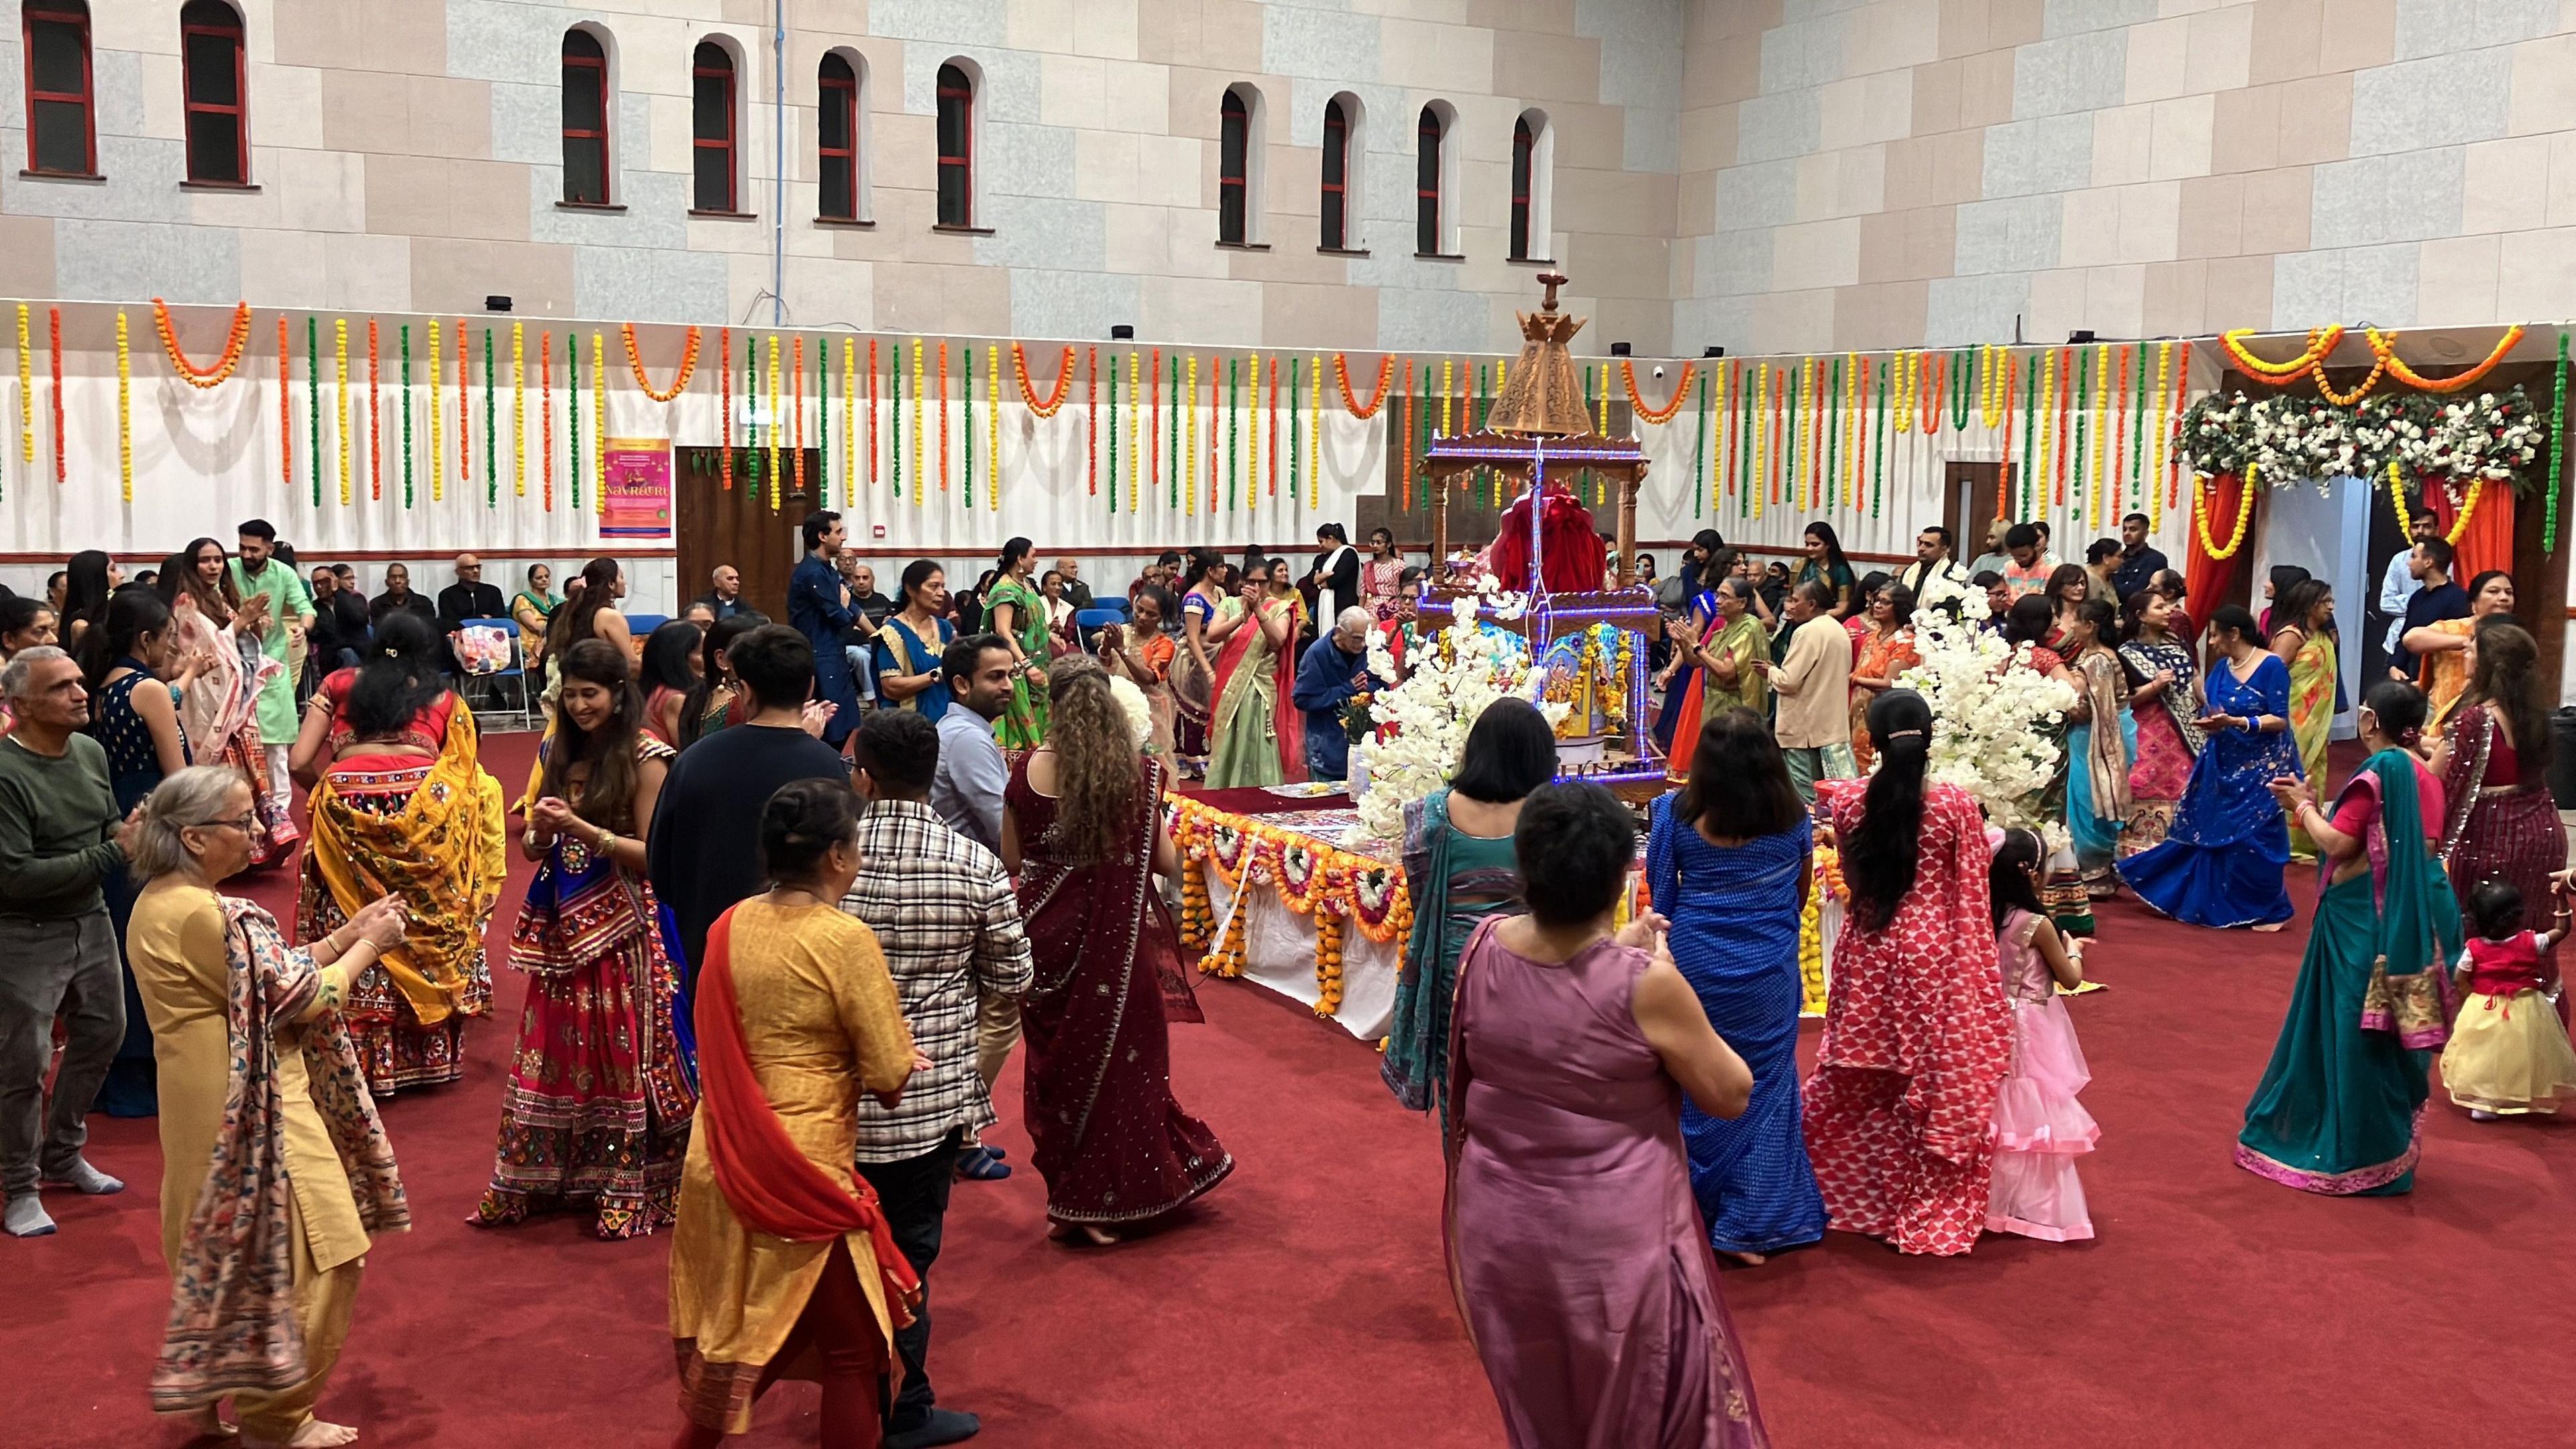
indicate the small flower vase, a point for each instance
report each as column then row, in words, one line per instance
column 1358, row 782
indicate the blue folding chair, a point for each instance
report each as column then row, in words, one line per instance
column 514, row 670
column 1087, row 623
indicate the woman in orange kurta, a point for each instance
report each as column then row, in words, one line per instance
column 781, row 1262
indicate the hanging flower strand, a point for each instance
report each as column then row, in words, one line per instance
column 1063, row 381
column 519, row 407
column 236, row 341
column 599, row 419
column 285, row 404
column 796, row 410
column 773, row 428
column 546, row 413
column 27, row 391
column 1350, row 403
column 679, row 381
column 125, row 415
column 724, row 406
column 404, row 339
column 437, row 470
column 993, row 423
column 572, row 415
column 375, row 452
column 54, row 330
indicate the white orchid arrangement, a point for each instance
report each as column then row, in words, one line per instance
column 1995, row 729
column 1422, row 723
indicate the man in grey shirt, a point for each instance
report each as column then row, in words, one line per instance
column 967, row 791
column 58, row 951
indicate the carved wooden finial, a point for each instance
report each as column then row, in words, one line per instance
column 1551, row 281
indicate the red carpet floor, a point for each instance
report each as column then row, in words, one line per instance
column 1304, row 1303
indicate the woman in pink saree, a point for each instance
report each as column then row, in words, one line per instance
column 1259, row 739
column 219, row 713
column 1575, row 1246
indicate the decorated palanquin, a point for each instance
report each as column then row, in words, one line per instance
column 1588, row 672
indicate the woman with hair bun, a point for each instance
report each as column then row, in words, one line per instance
column 2339, row 1108
column 1918, row 1035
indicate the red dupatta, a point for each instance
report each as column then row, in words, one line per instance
column 767, row 1180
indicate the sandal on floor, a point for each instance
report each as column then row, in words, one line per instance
column 982, row 1164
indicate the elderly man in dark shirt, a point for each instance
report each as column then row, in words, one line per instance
column 469, row 597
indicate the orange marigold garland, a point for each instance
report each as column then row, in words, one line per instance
column 943, row 414
column 235, row 343
column 285, row 408
column 1028, row 394
column 2383, row 345
column 54, row 332
column 2321, row 344
column 1665, row 414
column 1385, row 376
column 796, row 409
column 724, row 407
column 679, row 381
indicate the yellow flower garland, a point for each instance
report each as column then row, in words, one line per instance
column 2244, row 513
column 519, row 403
column 125, row 416
column 2160, row 429
column 437, row 479
column 2321, row 344
column 1761, row 411
column 2101, row 429
column 775, row 427
column 849, row 422
column 993, row 425
column 1993, row 388
column 1188, row 403
column 339, row 396
column 599, row 416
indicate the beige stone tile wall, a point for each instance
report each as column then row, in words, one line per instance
column 407, row 157
column 2137, row 167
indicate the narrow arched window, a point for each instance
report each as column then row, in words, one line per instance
column 1234, row 147
column 711, row 128
column 956, row 147
column 211, row 77
column 1337, row 176
column 836, row 138
column 585, row 119
column 61, row 137
column 1524, row 148
column 1427, row 211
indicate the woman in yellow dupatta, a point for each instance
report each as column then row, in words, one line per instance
column 401, row 806
column 1256, row 741
column 2303, row 613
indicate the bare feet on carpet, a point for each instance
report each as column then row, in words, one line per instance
column 1081, row 1233
column 316, row 1434
column 1749, row 1260
column 206, row 1423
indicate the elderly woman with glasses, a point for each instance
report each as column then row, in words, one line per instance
column 276, row 1173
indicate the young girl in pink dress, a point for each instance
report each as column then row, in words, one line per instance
column 2039, row 1126
column 2508, row 1055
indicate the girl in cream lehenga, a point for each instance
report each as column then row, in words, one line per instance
column 401, row 806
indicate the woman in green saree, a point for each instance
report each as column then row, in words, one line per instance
column 2340, row 1108
column 1014, row 609
column 2303, row 639
column 1257, row 741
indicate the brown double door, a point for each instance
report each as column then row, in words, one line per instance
column 736, row 526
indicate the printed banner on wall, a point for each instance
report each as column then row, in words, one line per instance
column 638, row 492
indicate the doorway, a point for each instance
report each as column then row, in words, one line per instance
column 1969, row 496
column 736, row 526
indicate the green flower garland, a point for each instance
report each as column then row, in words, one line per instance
column 406, row 412
column 313, row 397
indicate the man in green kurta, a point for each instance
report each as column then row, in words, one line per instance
column 290, row 613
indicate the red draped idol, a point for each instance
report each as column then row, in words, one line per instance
column 1573, row 549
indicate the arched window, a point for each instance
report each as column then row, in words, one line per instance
column 956, row 147
column 585, row 119
column 1342, row 151
column 1533, row 176
column 61, row 141
column 211, row 79
column 1429, row 219
column 711, row 73
column 1234, row 146
column 836, row 139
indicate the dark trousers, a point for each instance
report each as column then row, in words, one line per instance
column 65, row 968
column 913, row 1195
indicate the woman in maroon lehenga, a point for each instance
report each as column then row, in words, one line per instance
column 1082, row 828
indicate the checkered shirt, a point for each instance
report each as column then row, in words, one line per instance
column 942, row 908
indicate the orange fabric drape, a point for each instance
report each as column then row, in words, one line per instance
column 2206, row 580
column 2489, row 542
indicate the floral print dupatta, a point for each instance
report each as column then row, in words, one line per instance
column 232, row 1302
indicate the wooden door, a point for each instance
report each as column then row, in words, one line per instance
column 738, row 527
column 1968, row 500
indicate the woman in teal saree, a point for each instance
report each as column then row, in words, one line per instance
column 2340, row 1108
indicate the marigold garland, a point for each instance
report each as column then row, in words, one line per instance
column 1902, row 364
column 968, row 393
column 125, row 416
column 2120, row 414
column 1931, row 388
column 796, row 412
column 599, row 420
column 1091, row 420
column 1252, row 436
column 2173, row 449
column 404, row 341
column 572, row 416
column 872, row 413
column 1135, row 500
column 1351, row 403
column 546, row 412
column 850, row 422
column 437, row 467
column 285, row 405
column 54, row 331
column 1412, row 408
column 1231, row 379
column 993, row 424
column 491, row 431
column 2378, row 366
column 921, row 402
column 1186, row 405
column 2065, row 395
column 464, row 413
column 2321, row 344
column 236, row 342
column 1665, row 414
column 27, row 391
column 1028, row 394
column 313, row 399
column 1272, row 410
column 340, row 399
column 769, row 431
column 2557, row 441
column 1315, row 439
column 375, row 453
column 1994, row 405
column 679, row 380
column 2208, row 499
column 943, row 408
column 2384, row 346
column 1113, row 432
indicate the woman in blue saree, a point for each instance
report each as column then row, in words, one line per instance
column 1730, row 859
column 2340, row 1108
column 2221, row 864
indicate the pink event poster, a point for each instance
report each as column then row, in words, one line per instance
column 637, row 495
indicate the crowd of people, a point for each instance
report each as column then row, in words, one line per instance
column 801, row 889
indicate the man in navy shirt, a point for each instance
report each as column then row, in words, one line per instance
column 2139, row 561
column 818, row 607
column 1333, row 669
column 2437, row 600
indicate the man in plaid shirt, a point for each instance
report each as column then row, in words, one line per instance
column 943, row 910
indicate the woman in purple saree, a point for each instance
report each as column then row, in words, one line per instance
column 1575, row 1246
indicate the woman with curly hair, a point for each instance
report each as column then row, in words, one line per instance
column 1082, row 831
